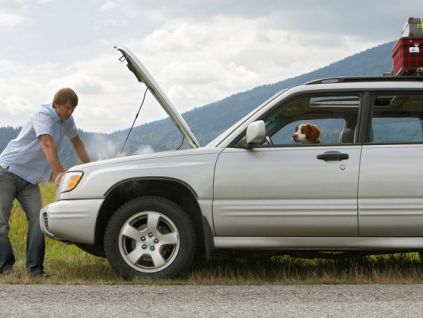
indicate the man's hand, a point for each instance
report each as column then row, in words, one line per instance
column 58, row 178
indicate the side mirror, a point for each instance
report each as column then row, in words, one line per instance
column 256, row 133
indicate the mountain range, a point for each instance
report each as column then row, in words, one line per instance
column 208, row 121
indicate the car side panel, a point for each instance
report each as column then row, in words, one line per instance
column 195, row 171
column 194, row 167
column 391, row 191
column 286, row 191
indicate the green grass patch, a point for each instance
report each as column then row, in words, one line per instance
column 67, row 264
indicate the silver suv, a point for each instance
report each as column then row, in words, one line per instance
column 256, row 191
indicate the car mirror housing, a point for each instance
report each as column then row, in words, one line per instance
column 256, row 133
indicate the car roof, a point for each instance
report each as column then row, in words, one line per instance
column 362, row 83
column 367, row 79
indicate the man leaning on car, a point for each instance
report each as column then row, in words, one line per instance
column 25, row 161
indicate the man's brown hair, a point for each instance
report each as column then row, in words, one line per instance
column 64, row 95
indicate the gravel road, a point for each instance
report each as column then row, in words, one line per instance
column 211, row 301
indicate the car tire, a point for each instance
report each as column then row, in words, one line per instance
column 150, row 236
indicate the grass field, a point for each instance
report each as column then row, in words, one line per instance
column 69, row 265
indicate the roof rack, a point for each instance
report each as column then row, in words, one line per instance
column 389, row 78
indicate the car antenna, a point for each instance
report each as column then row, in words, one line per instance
column 136, row 116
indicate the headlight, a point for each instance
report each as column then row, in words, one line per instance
column 70, row 180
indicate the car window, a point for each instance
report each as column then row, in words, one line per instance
column 397, row 118
column 330, row 128
column 334, row 116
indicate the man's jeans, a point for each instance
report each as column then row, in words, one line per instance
column 29, row 197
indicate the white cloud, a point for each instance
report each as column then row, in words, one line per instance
column 10, row 20
column 99, row 24
column 199, row 63
column 198, row 51
column 85, row 84
column 108, row 6
column 16, row 5
column 13, row 13
column 14, row 107
column 104, row 42
column 94, row 82
column 194, row 63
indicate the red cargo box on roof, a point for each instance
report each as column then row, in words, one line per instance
column 407, row 55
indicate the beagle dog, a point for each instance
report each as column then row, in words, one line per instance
column 306, row 134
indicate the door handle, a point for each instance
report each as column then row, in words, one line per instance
column 333, row 156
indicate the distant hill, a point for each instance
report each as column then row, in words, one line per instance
column 209, row 121
column 6, row 134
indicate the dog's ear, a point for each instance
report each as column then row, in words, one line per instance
column 314, row 133
column 305, row 130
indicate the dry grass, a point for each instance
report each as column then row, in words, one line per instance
column 69, row 265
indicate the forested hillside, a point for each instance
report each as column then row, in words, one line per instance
column 6, row 134
column 209, row 121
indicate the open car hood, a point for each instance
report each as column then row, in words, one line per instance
column 141, row 73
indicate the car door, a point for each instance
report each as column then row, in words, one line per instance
column 284, row 189
column 391, row 177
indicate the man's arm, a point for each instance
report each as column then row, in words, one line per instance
column 50, row 152
column 79, row 147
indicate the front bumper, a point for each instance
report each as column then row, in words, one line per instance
column 71, row 220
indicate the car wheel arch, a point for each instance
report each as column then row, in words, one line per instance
column 174, row 190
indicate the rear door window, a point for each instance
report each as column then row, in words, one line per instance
column 397, row 118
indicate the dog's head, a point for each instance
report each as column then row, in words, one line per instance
column 306, row 134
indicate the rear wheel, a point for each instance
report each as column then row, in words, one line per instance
column 150, row 236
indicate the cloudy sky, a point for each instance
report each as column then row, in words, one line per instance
column 198, row 51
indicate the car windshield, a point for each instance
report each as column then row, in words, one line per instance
column 232, row 128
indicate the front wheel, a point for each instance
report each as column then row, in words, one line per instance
column 150, row 236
